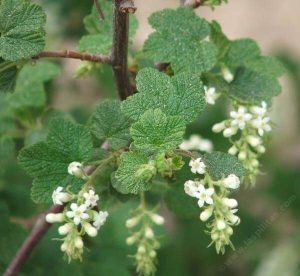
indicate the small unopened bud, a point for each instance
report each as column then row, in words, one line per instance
column 255, row 163
column 75, row 168
column 63, row 247
column 78, row 242
column 253, row 140
column 90, row 230
column 234, row 219
column 242, row 156
column 233, row 150
column 230, row 202
column 221, row 225
column 218, row 127
column 149, row 233
column 227, row 75
column 131, row 240
column 65, row 229
column 141, row 249
column 206, row 214
column 231, row 181
column 157, row 219
column 132, row 222
column 214, row 236
column 52, row 218
column 229, row 230
column 152, row 254
column 230, row 131
column 261, row 149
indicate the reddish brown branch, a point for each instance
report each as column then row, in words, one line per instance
column 38, row 231
column 74, row 55
column 120, row 49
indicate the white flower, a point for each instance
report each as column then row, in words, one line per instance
column 230, row 202
column 233, row 150
column 157, row 219
column 99, row 219
column 206, row 214
column 254, row 141
column 197, row 166
column 78, row 213
column 78, row 242
column 191, row 188
column 260, row 110
column 218, row 127
column 262, row 125
column 60, row 197
column 221, row 225
column 240, row 117
column 65, row 229
column 231, row 181
column 149, row 234
column 204, row 195
column 210, row 95
column 51, row 218
column 75, row 168
column 89, row 229
column 242, row 155
column 91, row 198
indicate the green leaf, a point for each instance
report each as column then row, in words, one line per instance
column 219, row 164
column 134, row 173
column 181, row 95
column 253, row 87
column 99, row 39
column 156, row 131
column 108, row 123
column 8, row 75
column 47, row 162
column 29, row 91
column 241, row 51
column 179, row 40
column 21, row 29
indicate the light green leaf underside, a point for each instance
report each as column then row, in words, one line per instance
column 21, row 29
column 47, row 162
column 108, row 123
column 179, row 40
column 181, row 95
column 156, row 131
column 219, row 164
column 127, row 174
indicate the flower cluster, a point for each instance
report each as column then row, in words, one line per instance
column 252, row 123
column 196, row 142
column 79, row 217
column 212, row 196
column 141, row 227
column 210, row 95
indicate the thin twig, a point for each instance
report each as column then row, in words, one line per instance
column 120, row 50
column 99, row 10
column 74, row 55
column 38, row 231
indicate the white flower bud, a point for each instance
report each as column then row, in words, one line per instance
column 215, row 236
column 261, row 149
column 141, row 249
column 233, row 150
column 231, row 181
column 90, row 230
column 131, row 240
column 152, row 254
column 52, row 218
column 206, row 214
column 234, row 219
column 254, row 141
column 78, row 242
column 230, row 131
column 132, row 222
column 221, row 224
column 75, row 168
column 65, row 229
column 229, row 230
column 63, row 247
column 149, row 233
column 242, row 156
column 157, row 219
column 254, row 163
column 218, row 127
column 59, row 197
column 227, row 75
column 230, row 202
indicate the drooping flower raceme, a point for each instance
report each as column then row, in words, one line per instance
column 253, row 123
column 213, row 199
column 79, row 217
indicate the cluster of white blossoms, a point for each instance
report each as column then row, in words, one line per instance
column 196, row 142
column 80, row 216
column 141, row 227
column 210, row 95
column 252, row 123
column 217, row 208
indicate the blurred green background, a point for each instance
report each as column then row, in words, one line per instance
column 267, row 241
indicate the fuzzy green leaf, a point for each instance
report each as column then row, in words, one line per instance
column 21, row 29
column 47, row 162
column 99, row 39
column 181, row 95
column 134, row 173
column 219, row 164
column 108, row 123
column 179, row 40
column 8, row 75
column 156, row 131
